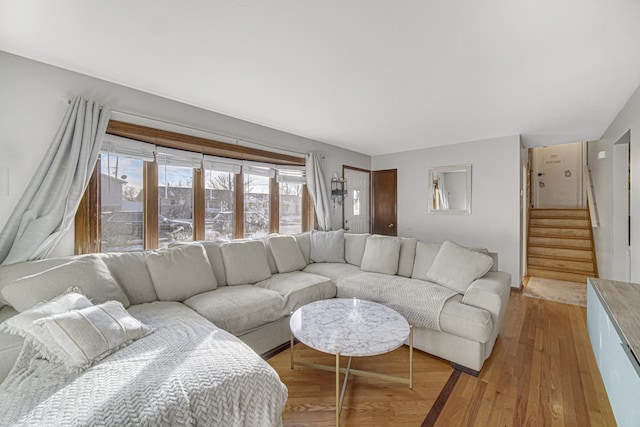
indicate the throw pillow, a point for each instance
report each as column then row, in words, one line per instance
column 354, row 245
column 407, row 256
column 286, row 253
column 180, row 273
column 327, row 246
column 85, row 336
column 425, row 254
column 88, row 273
column 22, row 324
column 381, row 255
column 245, row 262
column 456, row 267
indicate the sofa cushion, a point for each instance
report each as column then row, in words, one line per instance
column 88, row 273
column 213, row 249
column 287, row 253
column 418, row 301
column 354, row 245
column 425, row 254
column 466, row 321
column 131, row 272
column 407, row 256
column 245, row 262
column 299, row 288
column 10, row 344
column 332, row 270
column 327, row 246
column 381, row 255
column 456, row 267
column 87, row 335
column 239, row 309
column 181, row 272
column 304, row 241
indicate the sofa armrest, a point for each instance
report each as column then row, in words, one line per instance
column 491, row 293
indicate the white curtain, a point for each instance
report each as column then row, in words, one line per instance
column 47, row 207
column 317, row 187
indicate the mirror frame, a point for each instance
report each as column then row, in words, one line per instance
column 456, row 168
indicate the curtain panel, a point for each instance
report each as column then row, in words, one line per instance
column 317, row 187
column 46, row 210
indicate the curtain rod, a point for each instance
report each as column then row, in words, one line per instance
column 235, row 139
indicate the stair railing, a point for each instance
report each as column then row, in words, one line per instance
column 593, row 214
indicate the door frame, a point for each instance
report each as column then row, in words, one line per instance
column 367, row 171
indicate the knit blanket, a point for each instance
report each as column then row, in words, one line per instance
column 187, row 372
column 418, row 301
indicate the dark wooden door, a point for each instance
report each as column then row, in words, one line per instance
column 384, row 202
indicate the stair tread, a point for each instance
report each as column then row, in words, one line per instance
column 560, row 258
column 562, row 227
column 560, row 270
column 577, row 248
column 546, row 236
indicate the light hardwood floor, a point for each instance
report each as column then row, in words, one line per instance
column 542, row 373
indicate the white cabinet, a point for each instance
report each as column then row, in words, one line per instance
column 619, row 368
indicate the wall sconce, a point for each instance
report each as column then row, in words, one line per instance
column 338, row 189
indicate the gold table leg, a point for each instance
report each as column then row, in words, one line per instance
column 411, row 357
column 337, row 389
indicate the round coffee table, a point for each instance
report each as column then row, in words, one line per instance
column 352, row 328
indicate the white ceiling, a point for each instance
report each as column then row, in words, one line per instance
column 375, row 76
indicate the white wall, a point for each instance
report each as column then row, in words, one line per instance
column 32, row 105
column 609, row 181
column 494, row 222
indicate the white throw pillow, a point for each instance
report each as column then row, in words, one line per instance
column 180, row 273
column 245, row 262
column 287, row 253
column 89, row 274
column 407, row 256
column 354, row 245
column 90, row 334
column 22, row 324
column 381, row 255
column 327, row 246
column 425, row 254
column 456, row 267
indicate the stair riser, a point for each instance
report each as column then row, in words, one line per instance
column 571, row 277
column 581, row 266
column 559, row 232
column 564, row 213
column 556, row 252
column 552, row 241
column 558, row 222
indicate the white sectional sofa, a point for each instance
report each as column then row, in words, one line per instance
column 249, row 288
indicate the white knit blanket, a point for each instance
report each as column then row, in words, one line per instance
column 188, row 372
column 419, row 301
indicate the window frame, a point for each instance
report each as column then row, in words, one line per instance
column 87, row 220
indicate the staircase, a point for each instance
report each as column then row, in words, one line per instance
column 561, row 245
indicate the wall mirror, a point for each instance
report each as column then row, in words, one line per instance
column 450, row 189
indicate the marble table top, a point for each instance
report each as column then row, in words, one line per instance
column 351, row 327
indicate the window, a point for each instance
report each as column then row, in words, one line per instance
column 146, row 196
column 356, row 202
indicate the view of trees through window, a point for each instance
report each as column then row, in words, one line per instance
column 175, row 204
column 122, row 202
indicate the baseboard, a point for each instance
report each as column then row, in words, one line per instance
column 279, row 349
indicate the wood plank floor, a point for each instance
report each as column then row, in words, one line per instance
column 542, row 373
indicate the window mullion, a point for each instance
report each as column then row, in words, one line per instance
column 238, row 223
column 274, row 206
column 150, row 204
column 198, row 204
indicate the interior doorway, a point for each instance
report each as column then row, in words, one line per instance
column 356, row 206
column 557, row 179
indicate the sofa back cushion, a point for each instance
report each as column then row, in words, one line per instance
column 407, row 256
column 327, row 246
column 425, row 254
column 181, row 272
column 287, row 253
column 456, row 267
column 89, row 273
column 131, row 272
column 381, row 255
column 304, row 242
column 354, row 245
column 214, row 253
column 245, row 262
